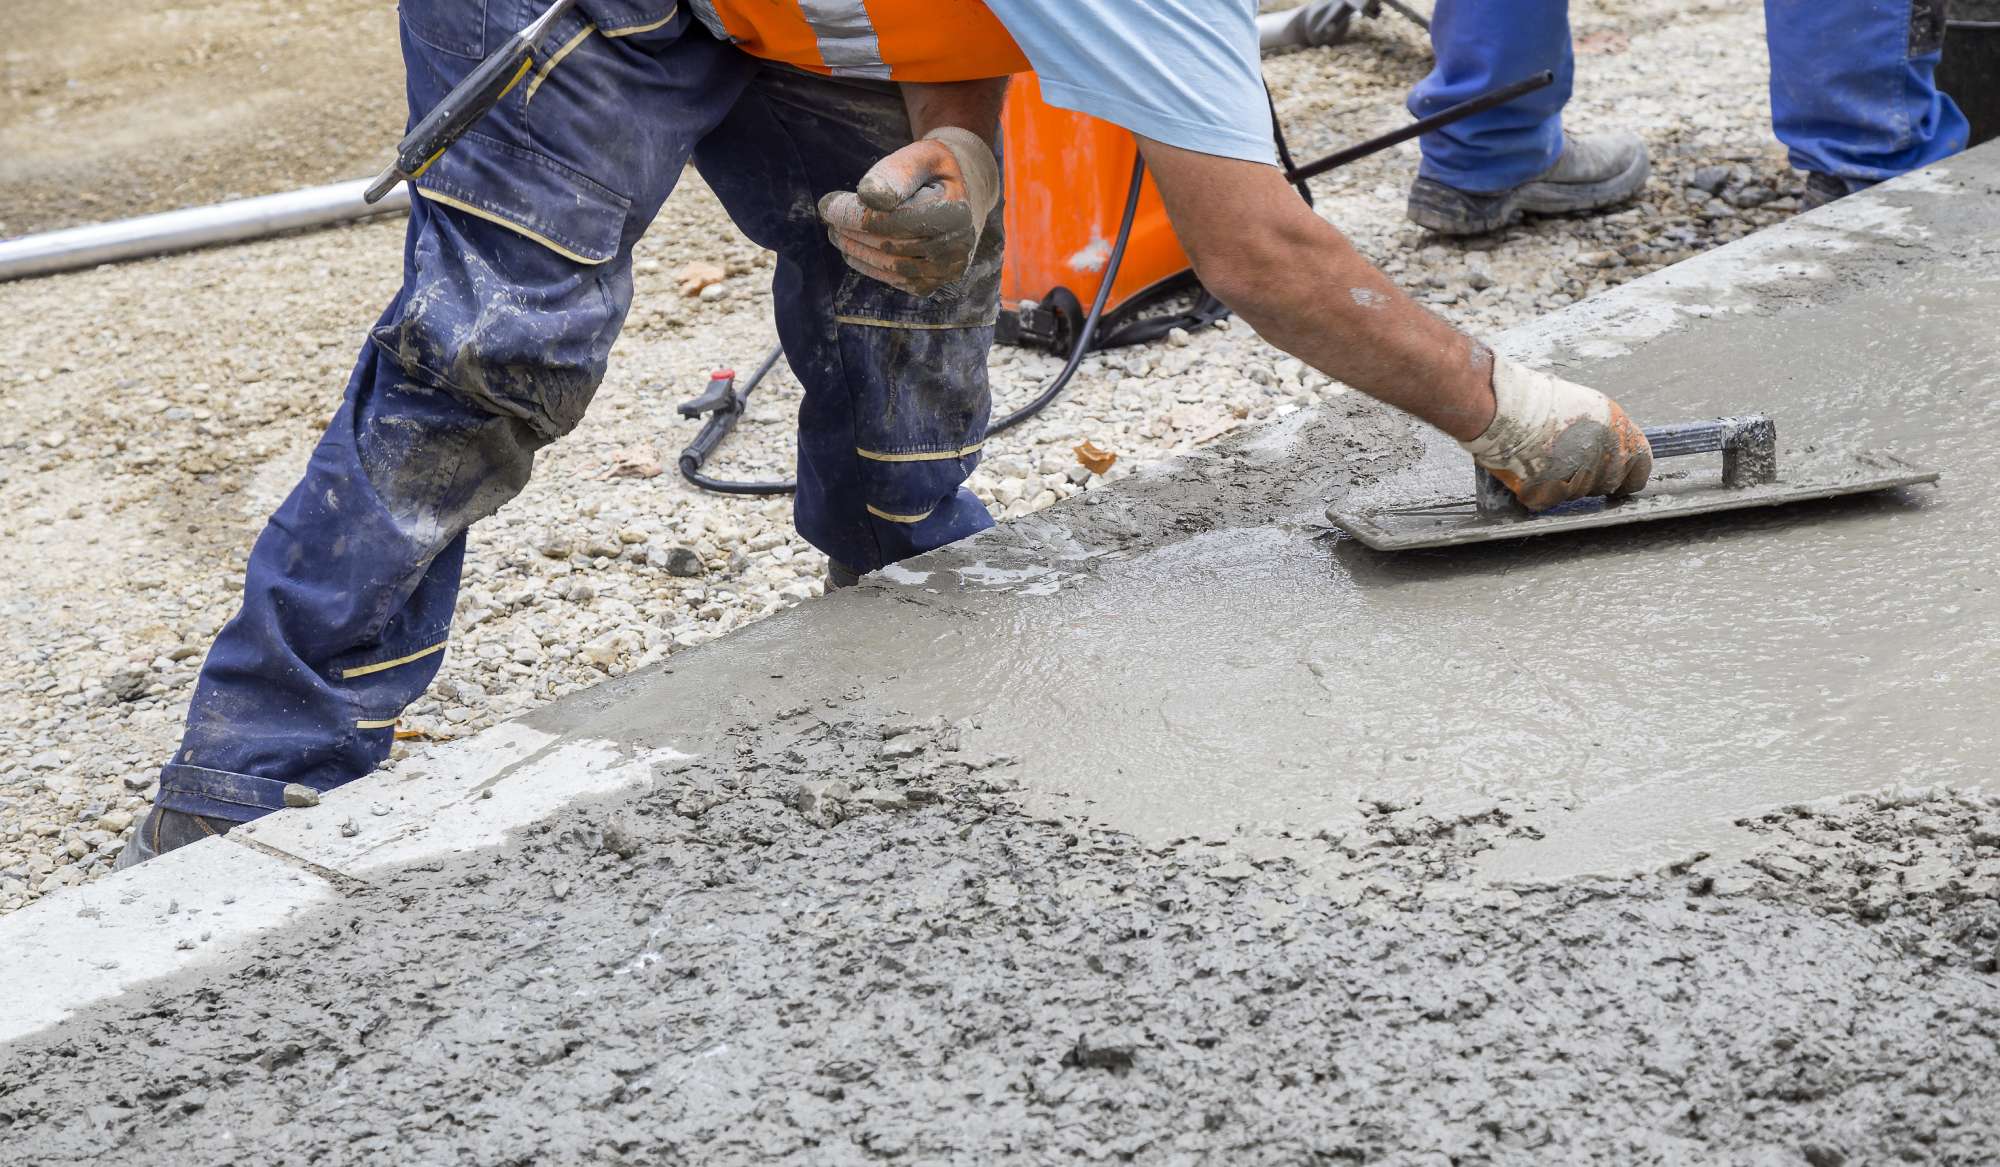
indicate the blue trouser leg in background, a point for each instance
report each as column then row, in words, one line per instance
column 517, row 278
column 1482, row 45
column 1853, row 86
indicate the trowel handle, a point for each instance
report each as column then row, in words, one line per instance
column 1748, row 444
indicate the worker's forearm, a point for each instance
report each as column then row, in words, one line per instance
column 969, row 105
column 1298, row 281
column 1320, row 300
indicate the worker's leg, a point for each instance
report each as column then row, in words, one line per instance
column 517, row 276
column 1488, row 170
column 896, row 398
column 1481, row 46
column 1854, row 91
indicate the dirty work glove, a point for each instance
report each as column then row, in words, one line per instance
column 915, row 219
column 1552, row 441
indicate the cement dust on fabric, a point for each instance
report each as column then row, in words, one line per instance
column 709, row 973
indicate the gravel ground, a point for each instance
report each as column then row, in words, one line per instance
column 743, row 967
column 157, row 411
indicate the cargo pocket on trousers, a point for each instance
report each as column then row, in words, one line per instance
column 513, row 298
column 916, row 373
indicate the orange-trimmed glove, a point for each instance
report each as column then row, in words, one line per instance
column 915, row 220
column 1552, row 440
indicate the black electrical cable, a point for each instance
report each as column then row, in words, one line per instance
column 1090, row 322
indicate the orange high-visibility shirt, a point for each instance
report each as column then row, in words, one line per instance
column 889, row 40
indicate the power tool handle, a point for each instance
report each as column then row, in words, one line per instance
column 725, row 413
column 462, row 108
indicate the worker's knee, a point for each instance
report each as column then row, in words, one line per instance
column 436, row 463
column 516, row 326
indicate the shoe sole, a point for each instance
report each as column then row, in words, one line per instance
column 1437, row 207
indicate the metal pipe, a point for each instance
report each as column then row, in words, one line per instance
column 231, row 222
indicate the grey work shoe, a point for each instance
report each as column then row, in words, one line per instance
column 1822, row 189
column 1594, row 172
column 164, row 831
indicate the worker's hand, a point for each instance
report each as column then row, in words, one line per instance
column 1552, row 441
column 914, row 222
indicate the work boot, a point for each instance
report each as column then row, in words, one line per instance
column 1594, row 172
column 164, row 831
column 838, row 577
column 1822, row 189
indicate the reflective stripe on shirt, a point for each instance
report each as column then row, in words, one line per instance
column 847, row 41
column 704, row 11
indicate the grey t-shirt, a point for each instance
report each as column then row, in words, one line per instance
column 1184, row 72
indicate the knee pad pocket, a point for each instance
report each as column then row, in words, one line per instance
column 516, row 285
column 921, row 401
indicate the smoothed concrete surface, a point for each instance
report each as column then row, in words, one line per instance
column 1191, row 656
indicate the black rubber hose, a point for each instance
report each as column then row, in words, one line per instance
column 691, row 466
column 1090, row 322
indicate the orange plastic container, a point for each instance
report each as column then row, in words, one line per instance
column 1068, row 175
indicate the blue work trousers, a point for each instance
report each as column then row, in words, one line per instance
column 517, row 278
column 1853, row 89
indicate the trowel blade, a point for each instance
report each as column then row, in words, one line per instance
column 1672, row 494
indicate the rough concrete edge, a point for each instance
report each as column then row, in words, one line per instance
column 90, row 943
column 84, row 944
column 53, row 953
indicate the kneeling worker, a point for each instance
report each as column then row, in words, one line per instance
column 855, row 138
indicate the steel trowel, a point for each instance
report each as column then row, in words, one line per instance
column 1748, row 476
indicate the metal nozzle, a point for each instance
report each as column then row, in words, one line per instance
column 383, row 184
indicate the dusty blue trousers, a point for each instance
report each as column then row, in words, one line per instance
column 517, row 278
column 1853, row 89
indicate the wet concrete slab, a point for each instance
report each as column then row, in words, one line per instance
column 778, row 902
column 1196, row 655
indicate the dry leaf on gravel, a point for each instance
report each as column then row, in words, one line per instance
column 700, row 274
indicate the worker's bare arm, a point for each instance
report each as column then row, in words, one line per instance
column 1298, row 281
column 968, row 105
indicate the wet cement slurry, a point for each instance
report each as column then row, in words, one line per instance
column 739, row 967
column 1161, row 827
column 1193, row 654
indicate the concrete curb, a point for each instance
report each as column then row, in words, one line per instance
column 213, row 899
column 83, row 945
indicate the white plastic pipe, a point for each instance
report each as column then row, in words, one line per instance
column 231, row 222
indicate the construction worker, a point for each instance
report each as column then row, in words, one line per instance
column 856, row 140
column 1853, row 94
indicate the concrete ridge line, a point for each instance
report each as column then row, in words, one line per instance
column 346, row 883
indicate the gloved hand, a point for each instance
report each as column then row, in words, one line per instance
column 1552, row 441
column 914, row 223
